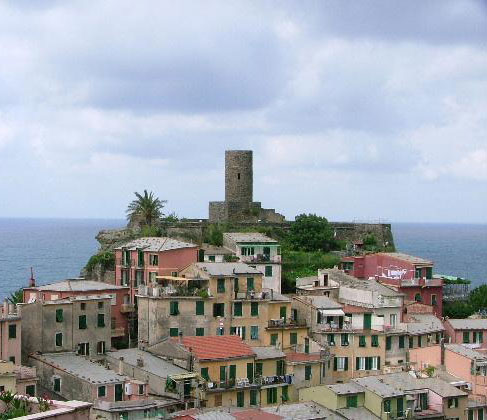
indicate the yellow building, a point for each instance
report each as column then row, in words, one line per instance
column 8, row 377
column 211, row 299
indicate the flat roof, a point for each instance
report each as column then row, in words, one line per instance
column 155, row 244
column 269, row 352
column 346, row 388
column 249, row 237
column 409, row 258
column 76, row 285
column 80, row 367
column 151, row 363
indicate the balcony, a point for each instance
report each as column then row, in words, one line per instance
column 218, row 386
column 118, row 332
column 267, row 381
column 286, row 323
column 127, row 308
column 421, row 282
column 125, row 263
column 192, row 288
column 260, row 258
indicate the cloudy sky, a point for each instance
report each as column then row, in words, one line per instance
column 355, row 110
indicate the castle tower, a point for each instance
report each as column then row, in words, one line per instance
column 239, row 177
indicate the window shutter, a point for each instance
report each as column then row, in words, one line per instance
column 357, row 363
column 378, row 362
column 335, row 364
column 346, row 364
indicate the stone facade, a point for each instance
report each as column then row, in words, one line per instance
column 239, row 183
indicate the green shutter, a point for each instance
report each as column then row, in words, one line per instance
column 259, row 368
column 335, row 363
column 200, row 332
column 59, row 315
column 401, row 341
column 204, row 373
column 254, row 308
column 466, row 337
column 254, row 332
column 268, row 270
column 378, row 362
column 293, row 338
column 221, row 285
column 400, row 406
column 174, row 308
column 250, row 284
column 243, row 333
column 361, row 341
column 200, row 307
column 253, row 397
column 82, row 322
column 285, row 394
column 307, row 372
column 101, row 320
column 240, row 399
column 388, row 342
column 237, row 309
column 223, row 373
column 250, row 372
column 283, row 312
column 273, row 339
column 367, row 321
column 233, row 372
column 357, row 363
column 346, row 364
column 173, row 332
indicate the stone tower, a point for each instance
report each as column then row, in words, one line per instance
column 239, row 186
column 239, row 177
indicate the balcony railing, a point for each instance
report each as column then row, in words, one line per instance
column 260, row 258
column 169, row 291
column 230, row 383
column 286, row 323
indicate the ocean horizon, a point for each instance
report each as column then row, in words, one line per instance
column 58, row 248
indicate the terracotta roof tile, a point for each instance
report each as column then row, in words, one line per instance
column 218, row 347
column 302, row 357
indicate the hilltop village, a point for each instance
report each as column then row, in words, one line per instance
column 183, row 329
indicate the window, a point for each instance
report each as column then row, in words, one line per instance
column 101, row 320
column 139, row 277
column 220, row 331
column 200, row 332
column 204, row 374
column 254, row 308
column 420, row 341
column 271, row 395
column 59, row 339
column 254, row 332
column 173, row 332
column 423, row 401
column 393, row 320
column 283, row 312
column 344, row 340
column 411, row 343
column 417, row 273
column 360, row 363
column 375, row 363
column 100, row 347
column 250, row 372
column 470, row 414
column 273, row 339
column 102, row 391
column 351, row 401
column 218, row 309
column 466, row 337
column 57, row 384
column 285, row 394
column 12, row 359
column 341, row 363
column 387, row 406
column 125, row 277
column 154, row 259
column 30, row 390
column 480, row 414
column 240, row 398
column 307, row 372
column 367, row 321
column 429, row 272
column 12, row 331
column 417, row 297
column 331, row 339
column 240, row 331
column 453, row 402
column 433, row 300
column 84, row 349
column 388, row 342
column 220, row 286
column 259, row 368
column 236, row 287
column 100, row 305
column 237, row 309
column 375, row 341
column 293, row 338
column 248, row 250
column 152, row 276
column 218, row 400
column 211, row 258
column 361, row 341
column 174, row 308
column 82, row 322
column 268, row 270
column 401, row 341
column 59, row 315
column 200, row 307
column 250, row 284
column 279, row 367
column 253, row 397
column 141, row 389
column 83, row 306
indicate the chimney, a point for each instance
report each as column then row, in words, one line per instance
column 140, row 361
column 5, row 307
column 120, row 365
column 32, row 280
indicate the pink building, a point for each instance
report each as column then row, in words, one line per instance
column 121, row 309
column 468, row 365
column 142, row 260
column 471, row 332
column 412, row 276
column 10, row 333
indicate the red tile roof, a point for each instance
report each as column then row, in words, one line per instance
column 302, row 357
column 218, row 347
column 350, row 309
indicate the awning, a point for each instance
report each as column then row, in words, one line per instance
column 172, row 278
column 332, row 312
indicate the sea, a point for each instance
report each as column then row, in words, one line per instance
column 57, row 249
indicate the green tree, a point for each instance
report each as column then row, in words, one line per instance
column 146, row 208
column 310, row 232
column 478, row 298
column 16, row 297
column 457, row 309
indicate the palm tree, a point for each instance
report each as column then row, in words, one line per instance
column 16, row 297
column 145, row 209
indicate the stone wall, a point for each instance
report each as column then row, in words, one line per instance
column 239, row 176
